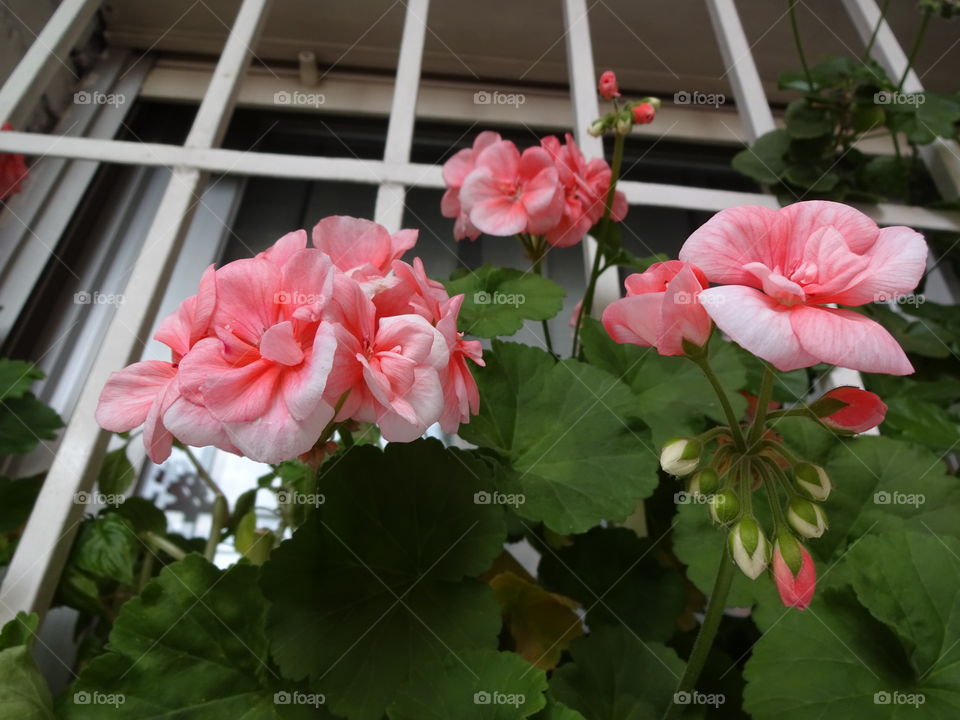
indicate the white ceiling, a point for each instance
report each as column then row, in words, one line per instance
column 657, row 46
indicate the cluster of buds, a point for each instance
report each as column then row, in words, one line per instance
column 624, row 114
column 727, row 477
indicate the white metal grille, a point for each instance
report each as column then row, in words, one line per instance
column 32, row 576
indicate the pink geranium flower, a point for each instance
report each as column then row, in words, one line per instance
column 361, row 248
column 585, row 186
column 13, row 171
column 262, row 372
column 455, row 171
column 509, row 193
column 661, row 309
column 461, row 398
column 142, row 393
column 779, row 269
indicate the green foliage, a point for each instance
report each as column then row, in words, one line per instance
column 381, row 572
column 24, row 694
column 498, row 300
column 567, row 434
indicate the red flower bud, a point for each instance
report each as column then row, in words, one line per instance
column 643, row 113
column 864, row 410
column 793, row 572
column 608, row 86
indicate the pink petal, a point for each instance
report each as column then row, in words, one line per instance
column 246, row 298
column 280, row 345
column 424, row 397
column 304, row 387
column 502, row 158
column 731, row 239
column 129, row 393
column 847, row 339
column 682, row 316
column 284, row 248
column 193, row 425
column 634, row 320
column 895, row 266
column 352, row 242
column 805, row 218
column 277, row 436
column 758, row 323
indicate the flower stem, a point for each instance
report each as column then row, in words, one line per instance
column 917, row 41
column 201, row 470
column 876, row 29
column 538, row 250
column 796, row 40
column 586, row 307
column 763, row 401
column 157, row 542
column 708, row 631
column 703, row 362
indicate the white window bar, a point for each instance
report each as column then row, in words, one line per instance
column 56, row 39
column 36, row 566
column 403, row 113
column 583, row 96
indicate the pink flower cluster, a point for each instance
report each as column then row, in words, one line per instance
column 273, row 348
column 778, row 273
column 550, row 190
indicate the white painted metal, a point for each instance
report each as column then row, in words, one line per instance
column 49, row 51
column 583, row 96
column 741, row 69
column 34, row 571
column 403, row 112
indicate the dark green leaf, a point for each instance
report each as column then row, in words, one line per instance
column 16, row 377
column 498, row 300
column 805, row 121
column 16, row 501
column 569, row 434
column 107, row 548
column 116, row 473
column 764, row 160
column 24, row 423
column 24, row 694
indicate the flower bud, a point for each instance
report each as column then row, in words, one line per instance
column 624, row 122
column 850, row 410
column 680, row 457
column 597, row 128
column 806, row 518
column 704, row 482
column 812, row 480
column 643, row 113
column 608, row 86
column 749, row 547
column 724, row 506
column 793, row 572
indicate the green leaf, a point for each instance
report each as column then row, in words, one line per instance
column 764, row 160
column 614, row 676
column 477, row 685
column 24, row 694
column 371, row 586
column 886, row 652
column 886, row 176
column 16, row 377
column 569, row 436
column 24, row 423
column 619, row 580
column 811, row 177
column 191, row 645
column 16, row 501
column 557, row 711
column 107, row 549
column 116, row 473
column 672, row 395
column 805, row 121
column 921, row 422
column 498, row 300
column 143, row 515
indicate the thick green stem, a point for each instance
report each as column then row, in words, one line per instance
column 917, row 41
column 703, row 362
column 796, row 39
column 763, row 401
column 158, row 542
column 221, row 514
column 708, row 631
column 586, row 307
column 538, row 250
